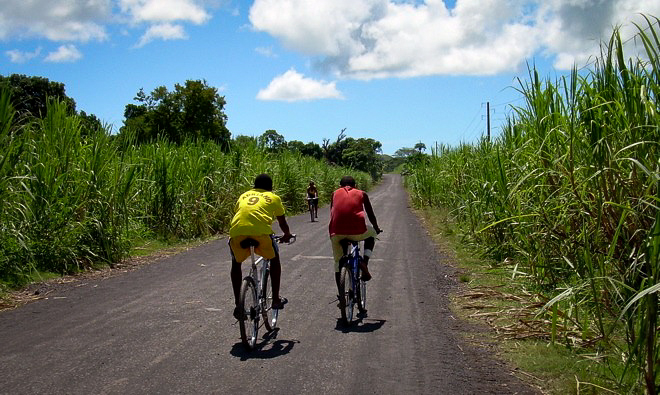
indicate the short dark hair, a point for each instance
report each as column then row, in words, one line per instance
column 263, row 181
column 347, row 181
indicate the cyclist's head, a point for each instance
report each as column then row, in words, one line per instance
column 263, row 181
column 311, row 183
column 347, row 181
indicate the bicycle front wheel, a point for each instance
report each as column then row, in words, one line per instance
column 346, row 293
column 249, row 324
column 269, row 314
column 363, row 295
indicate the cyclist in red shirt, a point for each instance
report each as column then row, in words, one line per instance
column 347, row 221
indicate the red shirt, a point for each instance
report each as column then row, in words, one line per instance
column 347, row 214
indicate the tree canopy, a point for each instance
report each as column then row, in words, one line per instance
column 30, row 97
column 272, row 141
column 310, row 149
column 191, row 111
column 360, row 154
column 30, row 94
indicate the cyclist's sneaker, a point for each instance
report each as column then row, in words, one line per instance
column 279, row 304
column 238, row 314
column 366, row 276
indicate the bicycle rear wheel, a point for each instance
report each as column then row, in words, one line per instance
column 363, row 295
column 249, row 324
column 311, row 210
column 346, row 293
column 269, row 314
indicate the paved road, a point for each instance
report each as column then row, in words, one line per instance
column 168, row 327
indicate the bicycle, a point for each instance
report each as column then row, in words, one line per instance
column 313, row 209
column 352, row 289
column 256, row 297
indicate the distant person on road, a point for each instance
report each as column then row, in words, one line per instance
column 347, row 221
column 313, row 193
column 256, row 210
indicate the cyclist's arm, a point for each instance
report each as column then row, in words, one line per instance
column 370, row 212
column 281, row 220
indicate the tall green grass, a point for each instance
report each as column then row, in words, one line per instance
column 69, row 201
column 569, row 193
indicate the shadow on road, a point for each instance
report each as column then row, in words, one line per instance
column 362, row 325
column 266, row 349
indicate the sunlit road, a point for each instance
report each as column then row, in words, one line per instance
column 168, row 327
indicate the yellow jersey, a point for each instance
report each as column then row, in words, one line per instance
column 256, row 210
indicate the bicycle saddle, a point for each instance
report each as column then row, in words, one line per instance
column 247, row 243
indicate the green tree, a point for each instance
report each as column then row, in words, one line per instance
column 244, row 141
column 295, row 145
column 90, row 124
column 191, row 111
column 419, row 147
column 362, row 154
column 310, row 149
column 404, row 152
column 272, row 141
column 31, row 94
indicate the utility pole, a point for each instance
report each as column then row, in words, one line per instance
column 488, row 119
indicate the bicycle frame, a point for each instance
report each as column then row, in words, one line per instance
column 357, row 289
column 258, row 272
column 311, row 206
column 255, row 299
column 354, row 260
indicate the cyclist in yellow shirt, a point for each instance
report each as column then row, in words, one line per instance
column 256, row 210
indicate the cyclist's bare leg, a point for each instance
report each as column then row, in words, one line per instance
column 236, row 279
column 275, row 274
column 369, row 244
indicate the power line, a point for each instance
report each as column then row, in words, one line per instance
column 473, row 118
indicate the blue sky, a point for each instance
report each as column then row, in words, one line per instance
column 400, row 72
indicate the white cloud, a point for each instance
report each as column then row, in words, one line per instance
column 65, row 53
column 17, row 56
column 293, row 86
column 56, row 20
column 163, row 31
column 159, row 11
column 386, row 38
column 574, row 30
column 86, row 20
column 161, row 15
column 266, row 51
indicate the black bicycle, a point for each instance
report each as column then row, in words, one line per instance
column 256, row 297
column 313, row 209
column 352, row 289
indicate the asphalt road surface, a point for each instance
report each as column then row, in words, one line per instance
column 168, row 327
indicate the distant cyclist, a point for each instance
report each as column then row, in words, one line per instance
column 347, row 221
column 313, row 193
column 256, row 210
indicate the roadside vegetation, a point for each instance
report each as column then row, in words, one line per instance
column 564, row 208
column 74, row 196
